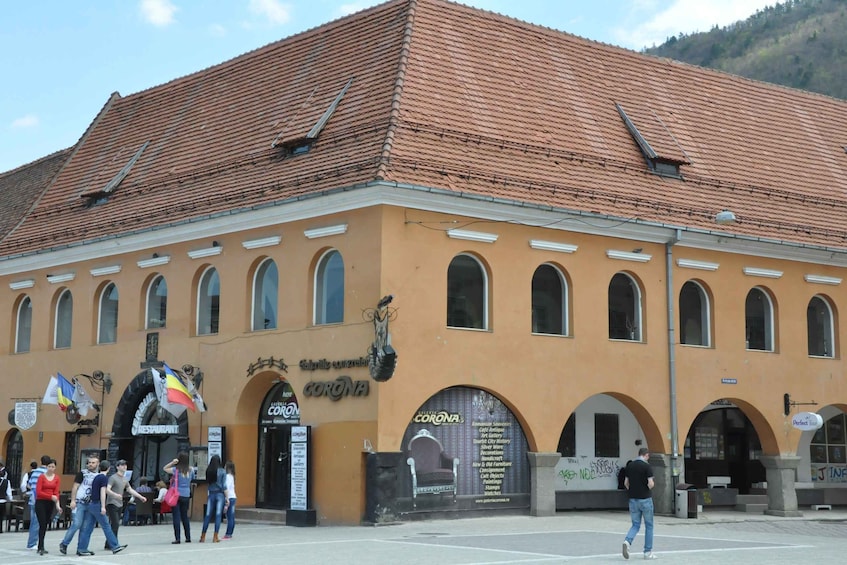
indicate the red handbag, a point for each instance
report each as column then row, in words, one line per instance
column 172, row 496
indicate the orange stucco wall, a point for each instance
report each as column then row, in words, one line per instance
column 407, row 253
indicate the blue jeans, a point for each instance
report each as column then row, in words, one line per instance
column 92, row 516
column 32, row 540
column 641, row 508
column 76, row 524
column 215, row 504
column 230, row 517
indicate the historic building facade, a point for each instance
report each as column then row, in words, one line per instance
column 586, row 250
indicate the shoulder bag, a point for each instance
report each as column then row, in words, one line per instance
column 172, row 496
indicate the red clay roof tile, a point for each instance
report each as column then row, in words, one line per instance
column 464, row 100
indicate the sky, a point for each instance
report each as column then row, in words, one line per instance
column 60, row 60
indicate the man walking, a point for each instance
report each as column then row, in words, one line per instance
column 32, row 540
column 639, row 483
column 115, row 489
column 96, row 514
column 80, row 498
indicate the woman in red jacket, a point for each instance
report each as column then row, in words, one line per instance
column 46, row 498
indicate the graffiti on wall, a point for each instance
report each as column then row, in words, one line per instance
column 587, row 473
column 829, row 473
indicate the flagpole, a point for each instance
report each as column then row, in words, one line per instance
column 101, row 382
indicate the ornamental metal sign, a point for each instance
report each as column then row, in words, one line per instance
column 25, row 414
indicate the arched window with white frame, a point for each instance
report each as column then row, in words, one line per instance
column 549, row 301
column 624, row 308
column 759, row 323
column 694, row 315
column 208, row 302
column 820, row 323
column 63, row 324
column 467, row 293
column 23, row 325
column 107, row 320
column 157, row 303
column 329, row 289
column 265, row 296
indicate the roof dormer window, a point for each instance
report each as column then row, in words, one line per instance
column 660, row 148
column 294, row 139
column 99, row 195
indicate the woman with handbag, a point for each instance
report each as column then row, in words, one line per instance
column 182, row 475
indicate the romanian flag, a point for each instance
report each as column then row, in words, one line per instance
column 177, row 391
column 64, row 392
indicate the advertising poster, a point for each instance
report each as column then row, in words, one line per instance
column 473, row 426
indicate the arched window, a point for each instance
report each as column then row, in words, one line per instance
column 820, row 323
column 549, row 301
column 467, row 293
column 694, row 322
column 329, row 289
column 107, row 331
column 23, row 328
column 265, row 296
column 758, row 312
column 208, row 302
column 624, row 308
column 157, row 303
column 64, row 320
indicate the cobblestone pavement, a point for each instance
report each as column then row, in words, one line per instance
column 724, row 538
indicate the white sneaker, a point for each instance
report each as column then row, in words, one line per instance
column 625, row 549
column 650, row 555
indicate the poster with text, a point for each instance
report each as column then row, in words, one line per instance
column 476, row 428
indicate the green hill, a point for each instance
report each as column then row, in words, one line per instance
column 798, row 43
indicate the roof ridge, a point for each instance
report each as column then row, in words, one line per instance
column 394, row 114
column 318, row 28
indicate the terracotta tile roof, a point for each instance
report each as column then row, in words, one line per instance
column 451, row 97
column 21, row 188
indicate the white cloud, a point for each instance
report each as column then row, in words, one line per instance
column 683, row 16
column 217, row 30
column 28, row 121
column 158, row 12
column 273, row 10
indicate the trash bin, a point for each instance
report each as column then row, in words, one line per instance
column 686, row 501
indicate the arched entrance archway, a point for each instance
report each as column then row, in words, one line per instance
column 144, row 434
column 15, row 456
column 280, row 411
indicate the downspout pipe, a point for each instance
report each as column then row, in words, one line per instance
column 675, row 467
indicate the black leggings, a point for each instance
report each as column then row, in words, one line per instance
column 43, row 511
column 180, row 514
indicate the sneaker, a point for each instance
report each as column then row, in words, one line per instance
column 123, row 547
column 227, row 537
column 63, row 549
column 85, row 553
column 625, row 549
column 650, row 555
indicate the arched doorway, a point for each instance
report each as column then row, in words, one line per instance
column 722, row 442
column 280, row 411
column 143, row 433
column 15, row 457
